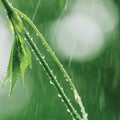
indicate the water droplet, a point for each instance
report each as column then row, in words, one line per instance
column 32, row 50
column 10, row 4
column 71, row 88
column 73, row 118
column 31, row 38
column 85, row 116
column 25, row 39
column 51, row 71
column 37, row 34
column 51, row 82
column 40, row 63
column 68, row 110
column 27, row 33
column 66, row 79
column 37, row 58
column 43, row 57
column 68, row 100
column 48, row 50
column 59, row 95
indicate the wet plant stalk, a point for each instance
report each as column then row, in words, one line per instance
column 76, row 94
column 45, row 65
column 52, row 78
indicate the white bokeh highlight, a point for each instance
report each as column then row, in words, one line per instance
column 5, row 45
column 81, row 34
column 81, row 39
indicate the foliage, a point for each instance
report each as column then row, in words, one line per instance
column 20, row 59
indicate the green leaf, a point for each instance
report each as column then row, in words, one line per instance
column 18, row 24
column 9, row 71
column 11, row 27
column 25, row 57
column 20, row 59
column 15, row 62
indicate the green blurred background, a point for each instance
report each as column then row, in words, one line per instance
column 98, row 81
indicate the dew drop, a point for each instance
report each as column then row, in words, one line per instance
column 31, row 38
column 40, row 63
column 43, row 57
column 66, row 79
column 37, row 34
column 37, row 58
column 68, row 100
column 71, row 88
column 10, row 4
column 68, row 110
column 51, row 71
column 51, row 82
column 25, row 39
column 32, row 50
column 27, row 33
column 48, row 50
column 85, row 116
column 59, row 95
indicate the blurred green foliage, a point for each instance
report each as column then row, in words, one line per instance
column 98, row 81
column 46, row 10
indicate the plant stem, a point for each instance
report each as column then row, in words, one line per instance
column 53, row 78
column 36, row 51
column 76, row 94
column 10, row 11
column 8, row 8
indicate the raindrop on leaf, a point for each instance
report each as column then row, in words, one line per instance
column 68, row 110
column 51, row 82
column 59, row 95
